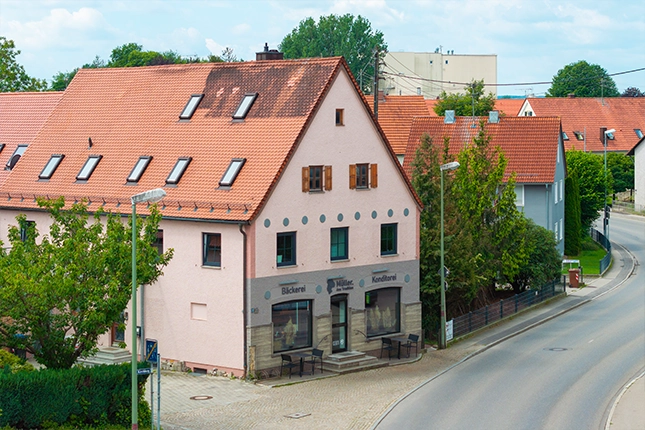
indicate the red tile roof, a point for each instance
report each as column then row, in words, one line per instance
column 133, row 112
column 395, row 115
column 584, row 114
column 529, row 143
column 22, row 115
column 509, row 107
column 430, row 104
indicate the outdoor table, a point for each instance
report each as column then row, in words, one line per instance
column 399, row 340
column 301, row 356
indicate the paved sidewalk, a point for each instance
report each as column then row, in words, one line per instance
column 357, row 400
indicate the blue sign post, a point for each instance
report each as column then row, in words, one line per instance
column 151, row 350
column 152, row 356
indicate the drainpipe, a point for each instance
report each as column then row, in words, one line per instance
column 245, row 310
column 548, row 207
column 142, row 344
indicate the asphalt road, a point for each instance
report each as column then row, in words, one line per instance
column 563, row 374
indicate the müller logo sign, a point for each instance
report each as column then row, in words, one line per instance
column 339, row 285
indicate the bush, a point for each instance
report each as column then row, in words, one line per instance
column 14, row 363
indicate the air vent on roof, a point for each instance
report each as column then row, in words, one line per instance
column 449, row 117
column 493, row 117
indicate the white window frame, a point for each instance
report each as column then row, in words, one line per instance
column 519, row 196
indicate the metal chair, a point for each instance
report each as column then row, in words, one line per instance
column 316, row 355
column 287, row 363
column 386, row 344
column 413, row 340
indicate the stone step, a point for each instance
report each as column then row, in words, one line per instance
column 108, row 355
column 345, row 356
column 358, row 362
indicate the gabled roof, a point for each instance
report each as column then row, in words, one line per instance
column 529, row 143
column 122, row 114
column 509, row 107
column 587, row 115
column 22, row 115
column 395, row 115
column 633, row 150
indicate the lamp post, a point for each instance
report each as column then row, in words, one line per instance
column 442, row 338
column 605, row 221
column 150, row 196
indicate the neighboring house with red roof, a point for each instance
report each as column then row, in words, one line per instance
column 395, row 114
column 22, row 115
column 534, row 151
column 638, row 152
column 585, row 119
column 293, row 224
column 509, row 107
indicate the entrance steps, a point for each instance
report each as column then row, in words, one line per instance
column 107, row 355
column 351, row 361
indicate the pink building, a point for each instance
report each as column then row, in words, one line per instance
column 293, row 224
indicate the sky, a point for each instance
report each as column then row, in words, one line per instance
column 532, row 39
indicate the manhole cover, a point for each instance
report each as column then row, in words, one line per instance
column 297, row 415
column 556, row 349
column 201, row 397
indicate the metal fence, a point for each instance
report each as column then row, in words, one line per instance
column 602, row 240
column 492, row 313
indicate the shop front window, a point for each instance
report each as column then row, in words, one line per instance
column 291, row 325
column 382, row 308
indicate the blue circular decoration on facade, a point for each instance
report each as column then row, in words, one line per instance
column 406, row 212
column 318, row 289
column 285, row 222
column 390, row 213
column 339, row 217
column 267, row 295
column 374, row 214
column 406, row 279
column 323, row 218
column 361, row 283
column 357, row 216
column 305, row 220
column 267, row 223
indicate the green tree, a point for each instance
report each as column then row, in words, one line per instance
column 464, row 103
column 61, row 80
column 60, row 293
column 621, row 167
column 632, row 92
column 591, row 176
column 572, row 215
column 583, row 80
column 544, row 261
column 336, row 35
column 12, row 75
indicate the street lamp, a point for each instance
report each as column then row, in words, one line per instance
column 150, row 196
column 442, row 339
column 605, row 223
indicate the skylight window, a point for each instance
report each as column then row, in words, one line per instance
column 638, row 132
column 16, row 156
column 232, row 171
column 139, row 168
column 88, row 167
column 579, row 135
column 245, row 105
column 565, row 136
column 190, row 107
column 610, row 136
column 51, row 166
column 2, row 145
column 178, row 170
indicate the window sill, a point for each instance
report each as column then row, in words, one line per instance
column 205, row 266
column 286, row 266
column 389, row 255
column 340, row 260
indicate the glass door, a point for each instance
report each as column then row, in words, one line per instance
column 339, row 323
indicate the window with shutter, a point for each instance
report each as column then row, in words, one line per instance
column 352, row 176
column 373, row 176
column 305, row 179
column 327, row 178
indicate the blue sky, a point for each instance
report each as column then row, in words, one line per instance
column 533, row 39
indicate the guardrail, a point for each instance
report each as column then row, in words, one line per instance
column 602, row 240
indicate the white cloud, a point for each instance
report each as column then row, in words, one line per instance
column 241, row 28
column 214, row 47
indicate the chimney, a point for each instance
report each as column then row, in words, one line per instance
column 268, row 54
column 381, row 96
column 602, row 135
column 493, row 117
column 449, row 117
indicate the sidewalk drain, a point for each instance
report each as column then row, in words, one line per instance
column 201, row 397
column 297, row 415
column 556, row 349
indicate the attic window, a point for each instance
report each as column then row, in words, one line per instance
column 190, row 107
column 638, row 132
column 88, row 167
column 339, row 117
column 232, row 171
column 579, row 135
column 245, row 105
column 178, row 170
column 51, row 166
column 139, row 168
column 565, row 136
column 15, row 157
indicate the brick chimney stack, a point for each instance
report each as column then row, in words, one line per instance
column 268, row 54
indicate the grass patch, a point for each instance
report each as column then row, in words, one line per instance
column 589, row 257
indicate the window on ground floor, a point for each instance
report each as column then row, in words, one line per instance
column 382, row 308
column 291, row 325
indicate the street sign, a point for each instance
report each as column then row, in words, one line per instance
column 449, row 332
column 144, row 371
column 151, row 350
column 446, row 271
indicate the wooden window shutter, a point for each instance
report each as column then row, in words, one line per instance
column 305, row 179
column 327, row 178
column 352, row 176
column 373, row 175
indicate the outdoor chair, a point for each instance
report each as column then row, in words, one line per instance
column 413, row 340
column 386, row 344
column 316, row 356
column 288, row 364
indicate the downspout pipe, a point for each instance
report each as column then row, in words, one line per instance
column 245, row 310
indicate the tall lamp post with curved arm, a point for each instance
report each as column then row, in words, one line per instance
column 150, row 196
column 605, row 223
column 442, row 269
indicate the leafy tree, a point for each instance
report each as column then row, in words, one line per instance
column 463, row 103
column 621, row 167
column 61, row 80
column 583, row 80
column 543, row 262
column 334, row 35
column 632, row 92
column 591, row 175
column 572, row 216
column 61, row 293
column 12, row 75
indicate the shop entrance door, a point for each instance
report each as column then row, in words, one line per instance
column 339, row 323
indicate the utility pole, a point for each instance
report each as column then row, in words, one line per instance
column 376, row 82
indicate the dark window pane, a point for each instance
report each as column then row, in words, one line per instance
column 212, row 249
column 383, row 311
column 291, row 325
